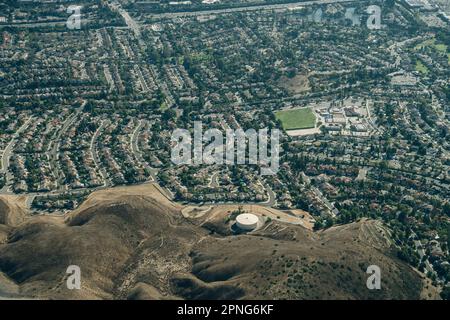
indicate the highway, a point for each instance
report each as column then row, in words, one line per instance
column 34, row 24
column 292, row 5
column 130, row 23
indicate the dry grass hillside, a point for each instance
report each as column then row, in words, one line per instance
column 12, row 210
column 133, row 243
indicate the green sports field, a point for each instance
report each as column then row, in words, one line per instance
column 296, row 119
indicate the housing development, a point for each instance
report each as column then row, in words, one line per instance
column 358, row 89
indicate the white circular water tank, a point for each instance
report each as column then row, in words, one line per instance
column 247, row 221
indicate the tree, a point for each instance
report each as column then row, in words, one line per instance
column 445, row 294
column 446, row 209
column 88, row 107
column 169, row 114
column 318, row 225
column 329, row 223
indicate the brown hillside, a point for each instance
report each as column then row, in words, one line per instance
column 133, row 243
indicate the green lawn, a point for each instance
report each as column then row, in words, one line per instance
column 296, row 119
column 439, row 47
column 163, row 107
column 442, row 48
column 426, row 43
column 421, row 67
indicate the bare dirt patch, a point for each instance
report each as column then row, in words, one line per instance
column 298, row 84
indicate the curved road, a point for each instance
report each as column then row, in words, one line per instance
column 95, row 156
column 7, row 154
